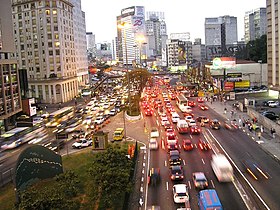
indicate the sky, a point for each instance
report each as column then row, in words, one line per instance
column 180, row 15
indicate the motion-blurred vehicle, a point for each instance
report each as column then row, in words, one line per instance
column 187, row 145
column 222, row 168
column 200, row 180
column 204, row 145
column 208, row 199
column 153, row 144
column 195, row 130
column 154, row 132
column 154, row 176
column 254, row 169
column 203, row 107
column 176, row 172
column 215, row 124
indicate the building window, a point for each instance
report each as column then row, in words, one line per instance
column 50, row 52
column 50, row 44
column 54, row 12
column 47, row 12
column 55, row 28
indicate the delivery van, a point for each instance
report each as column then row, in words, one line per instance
column 208, row 199
column 118, row 134
column 222, row 168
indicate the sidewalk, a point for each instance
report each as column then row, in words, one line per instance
column 267, row 142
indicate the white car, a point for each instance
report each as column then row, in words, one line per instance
column 164, row 117
column 272, row 103
column 153, row 144
column 87, row 121
column 99, row 120
column 81, row 143
column 192, row 123
column 154, row 133
column 180, row 193
column 188, row 118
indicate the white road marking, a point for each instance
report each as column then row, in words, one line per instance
column 144, row 164
column 8, row 171
column 203, row 161
column 15, row 151
column 167, row 186
column 165, row 163
column 184, row 162
column 212, row 183
column 189, row 183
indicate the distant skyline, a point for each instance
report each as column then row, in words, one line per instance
column 180, row 15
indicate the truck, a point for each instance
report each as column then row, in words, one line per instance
column 182, row 126
column 118, row 134
column 208, row 199
column 222, row 168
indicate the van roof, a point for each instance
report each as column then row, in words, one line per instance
column 210, row 198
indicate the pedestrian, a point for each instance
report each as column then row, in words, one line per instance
column 250, row 127
column 259, row 135
column 225, row 110
column 261, row 128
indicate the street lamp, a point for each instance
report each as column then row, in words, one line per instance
column 140, row 39
column 260, row 62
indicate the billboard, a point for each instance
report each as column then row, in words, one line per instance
column 242, row 84
column 229, row 86
column 128, row 11
column 234, row 77
column 138, row 20
column 182, row 52
column 224, row 63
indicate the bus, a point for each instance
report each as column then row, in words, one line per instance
column 60, row 115
column 182, row 103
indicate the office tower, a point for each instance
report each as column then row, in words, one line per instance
column 45, row 43
column 10, row 97
column 80, row 43
column 198, row 51
column 156, row 34
column 91, row 49
column 131, row 34
column 255, row 24
column 273, row 43
column 220, row 32
column 104, row 51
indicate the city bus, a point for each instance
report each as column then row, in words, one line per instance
column 60, row 115
column 182, row 103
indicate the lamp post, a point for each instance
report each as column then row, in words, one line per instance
column 260, row 62
column 140, row 39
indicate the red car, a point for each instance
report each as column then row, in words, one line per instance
column 191, row 103
column 187, row 145
column 194, row 130
column 149, row 112
column 203, row 107
column 200, row 100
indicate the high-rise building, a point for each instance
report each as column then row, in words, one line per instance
column 104, row 51
column 198, row 51
column 156, row 33
column 91, row 49
column 273, row 43
column 255, row 24
column 45, row 43
column 80, row 43
column 10, row 97
column 130, row 36
column 220, row 32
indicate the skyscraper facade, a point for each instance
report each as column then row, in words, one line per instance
column 273, row 43
column 156, row 33
column 255, row 24
column 91, row 48
column 128, row 45
column 220, row 32
column 44, row 36
column 80, row 43
column 10, row 97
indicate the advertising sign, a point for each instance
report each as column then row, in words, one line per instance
column 234, row 77
column 224, row 63
column 242, row 84
column 228, row 86
column 138, row 24
column 182, row 52
column 128, row 11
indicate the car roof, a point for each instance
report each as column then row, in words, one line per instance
column 199, row 175
column 180, row 188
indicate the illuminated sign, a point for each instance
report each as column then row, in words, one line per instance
column 223, row 63
column 228, row 86
column 242, row 84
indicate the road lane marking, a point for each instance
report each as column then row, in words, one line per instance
column 167, row 186
column 7, row 171
column 15, row 151
column 165, row 163
column 212, row 183
column 203, row 161
column 189, row 183
column 184, row 162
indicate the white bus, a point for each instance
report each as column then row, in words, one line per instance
column 182, row 103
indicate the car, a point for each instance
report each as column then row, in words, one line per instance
column 180, row 193
column 203, row 107
column 271, row 116
column 99, row 120
column 164, row 117
column 172, row 145
column 203, row 119
column 192, row 123
column 191, row 103
column 174, row 157
column 149, row 112
column 153, row 144
column 200, row 180
column 215, row 124
column 78, row 134
column 154, row 132
column 268, row 112
column 187, row 145
column 176, row 172
column 203, row 145
column 55, row 145
column 188, row 118
column 154, row 176
column 167, row 125
column 87, row 120
column 200, row 100
column 194, row 129
column 254, row 169
column 113, row 112
column 81, row 143
column 188, row 114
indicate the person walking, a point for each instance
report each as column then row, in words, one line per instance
column 259, row 135
column 225, row 110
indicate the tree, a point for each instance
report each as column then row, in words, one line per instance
column 257, row 49
column 110, row 171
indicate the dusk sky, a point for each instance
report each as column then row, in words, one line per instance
column 180, row 15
